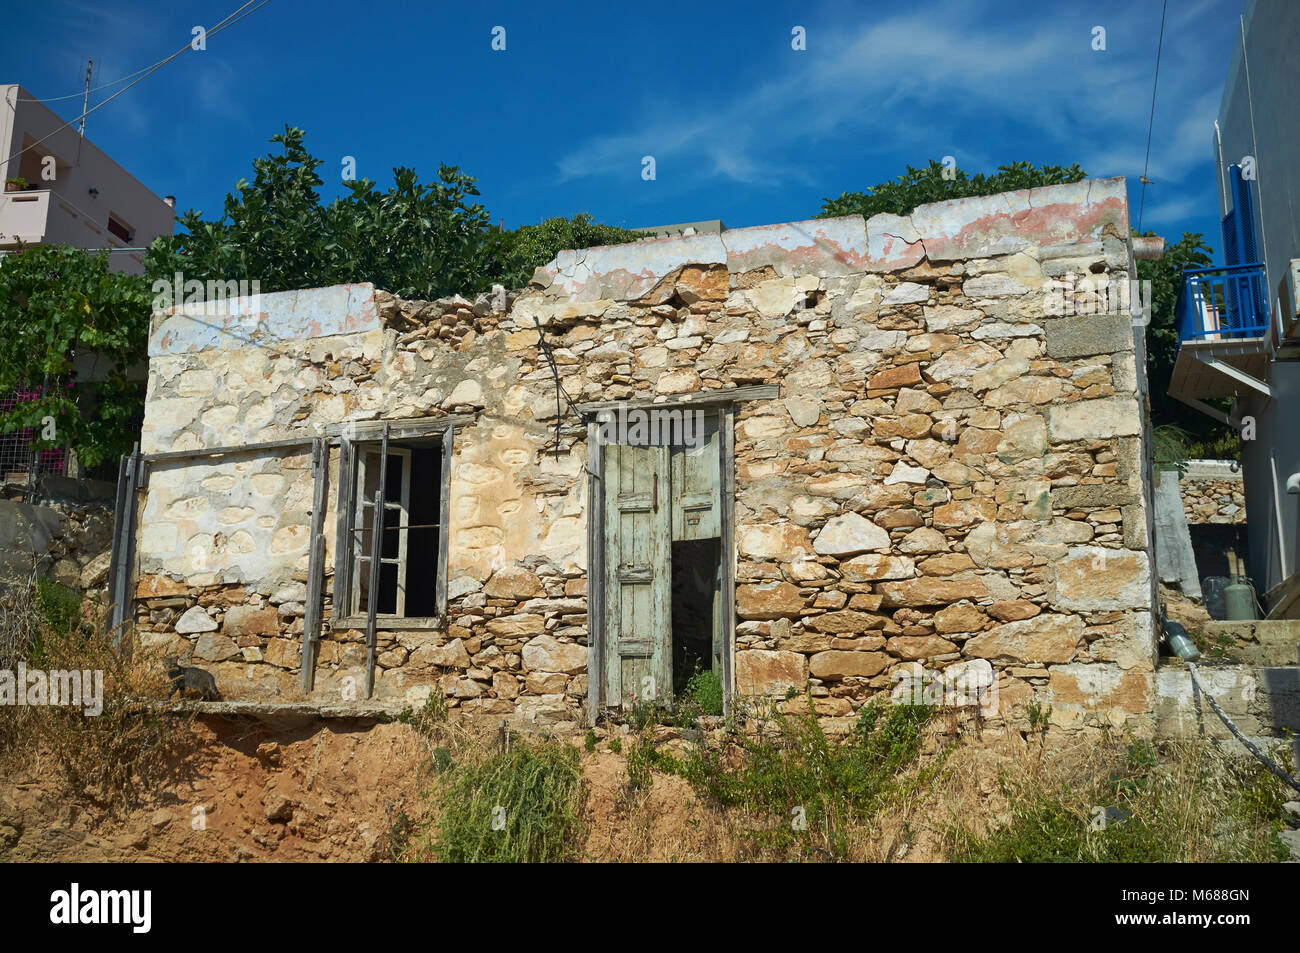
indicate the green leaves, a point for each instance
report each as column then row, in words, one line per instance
column 57, row 305
column 417, row 240
column 922, row 186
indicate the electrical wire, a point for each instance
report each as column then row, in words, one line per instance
column 1146, row 165
column 93, row 89
column 221, row 25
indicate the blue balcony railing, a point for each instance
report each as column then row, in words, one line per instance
column 1219, row 304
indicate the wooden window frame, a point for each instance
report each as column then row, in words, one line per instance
column 403, row 508
column 355, row 441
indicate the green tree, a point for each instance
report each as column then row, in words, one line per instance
column 516, row 254
column 417, row 241
column 922, row 186
column 56, row 304
column 413, row 239
column 1198, row 434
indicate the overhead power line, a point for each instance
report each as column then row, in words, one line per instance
column 1146, row 165
column 229, row 20
column 94, row 89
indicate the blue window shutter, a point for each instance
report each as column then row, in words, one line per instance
column 1243, row 201
column 1239, row 246
column 1231, row 250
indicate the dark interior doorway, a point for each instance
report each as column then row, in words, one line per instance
column 696, row 581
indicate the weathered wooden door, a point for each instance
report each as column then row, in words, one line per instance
column 697, row 502
column 638, row 574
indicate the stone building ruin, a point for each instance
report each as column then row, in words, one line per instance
column 823, row 459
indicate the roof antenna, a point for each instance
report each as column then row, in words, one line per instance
column 85, row 103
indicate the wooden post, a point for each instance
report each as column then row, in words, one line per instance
column 122, row 562
column 444, row 520
column 727, row 448
column 116, row 559
column 595, row 573
column 376, row 550
column 320, row 455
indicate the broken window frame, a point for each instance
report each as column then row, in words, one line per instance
column 402, row 506
column 355, row 441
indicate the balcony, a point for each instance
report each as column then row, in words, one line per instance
column 24, row 217
column 1223, row 325
column 1222, row 304
column 45, row 217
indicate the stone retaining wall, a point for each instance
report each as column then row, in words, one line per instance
column 67, row 540
column 1213, row 492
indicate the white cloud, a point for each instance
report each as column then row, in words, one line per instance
column 946, row 79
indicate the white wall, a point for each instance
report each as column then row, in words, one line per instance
column 75, row 216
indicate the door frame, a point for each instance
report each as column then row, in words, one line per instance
column 724, row 403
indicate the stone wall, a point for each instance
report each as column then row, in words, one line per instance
column 1213, row 492
column 67, row 536
column 951, row 477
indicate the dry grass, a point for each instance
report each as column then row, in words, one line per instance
column 998, row 797
column 107, row 758
column 905, row 788
column 1112, row 799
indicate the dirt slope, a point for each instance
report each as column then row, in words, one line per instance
column 244, row 793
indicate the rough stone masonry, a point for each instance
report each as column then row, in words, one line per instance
column 946, row 478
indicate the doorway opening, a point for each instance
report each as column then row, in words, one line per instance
column 697, row 565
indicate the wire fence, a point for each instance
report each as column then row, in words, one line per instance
column 17, row 455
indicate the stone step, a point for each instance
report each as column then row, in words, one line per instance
column 1262, row 701
column 1270, row 642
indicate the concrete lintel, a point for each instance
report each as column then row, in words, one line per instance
column 264, row 319
column 721, row 395
column 1081, row 213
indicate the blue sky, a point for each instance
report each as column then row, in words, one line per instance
column 742, row 127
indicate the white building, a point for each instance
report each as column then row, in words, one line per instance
column 76, row 194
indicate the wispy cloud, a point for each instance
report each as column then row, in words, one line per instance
column 952, row 78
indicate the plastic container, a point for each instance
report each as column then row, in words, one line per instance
column 1212, row 588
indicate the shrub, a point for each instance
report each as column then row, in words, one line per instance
column 1174, row 802
column 806, row 792
column 112, row 757
column 518, row 805
column 704, row 692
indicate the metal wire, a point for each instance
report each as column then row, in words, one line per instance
column 1268, row 762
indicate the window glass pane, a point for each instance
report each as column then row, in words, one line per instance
column 364, row 524
column 387, row 588
column 372, row 475
column 409, row 580
column 392, row 538
column 362, row 571
column 393, row 487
